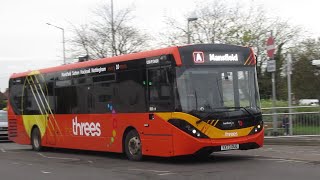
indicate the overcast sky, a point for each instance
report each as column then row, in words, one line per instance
column 27, row 42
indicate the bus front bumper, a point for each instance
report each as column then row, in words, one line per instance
column 185, row 144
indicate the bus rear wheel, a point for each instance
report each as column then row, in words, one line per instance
column 36, row 139
column 133, row 147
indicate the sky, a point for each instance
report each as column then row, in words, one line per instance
column 28, row 43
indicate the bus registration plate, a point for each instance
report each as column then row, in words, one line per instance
column 229, row 147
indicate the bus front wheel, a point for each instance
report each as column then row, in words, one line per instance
column 36, row 139
column 133, row 147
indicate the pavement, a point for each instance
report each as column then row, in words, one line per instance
column 293, row 140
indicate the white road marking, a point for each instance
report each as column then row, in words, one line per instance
column 314, row 151
column 164, row 174
column 3, row 150
column 281, row 160
column 288, row 160
column 45, row 172
column 61, row 158
column 264, row 159
column 294, row 152
column 156, row 171
column 277, row 159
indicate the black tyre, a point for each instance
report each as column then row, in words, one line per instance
column 36, row 139
column 133, row 146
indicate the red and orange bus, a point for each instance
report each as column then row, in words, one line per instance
column 194, row 99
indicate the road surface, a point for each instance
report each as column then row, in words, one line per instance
column 270, row 162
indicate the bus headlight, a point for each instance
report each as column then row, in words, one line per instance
column 257, row 128
column 187, row 127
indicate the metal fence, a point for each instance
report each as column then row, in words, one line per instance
column 297, row 120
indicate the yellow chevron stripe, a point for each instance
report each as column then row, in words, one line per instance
column 216, row 123
column 30, row 120
column 210, row 131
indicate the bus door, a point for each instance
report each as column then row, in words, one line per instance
column 160, row 102
column 53, row 129
column 49, row 108
column 52, row 124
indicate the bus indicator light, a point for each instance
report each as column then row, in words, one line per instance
column 240, row 123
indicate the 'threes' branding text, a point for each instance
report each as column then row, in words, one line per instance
column 85, row 128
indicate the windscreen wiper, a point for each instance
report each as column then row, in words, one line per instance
column 244, row 108
column 209, row 113
column 203, row 119
column 248, row 112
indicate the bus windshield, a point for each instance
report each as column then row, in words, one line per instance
column 210, row 89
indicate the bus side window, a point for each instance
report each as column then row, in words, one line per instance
column 31, row 100
column 15, row 94
column 160, row 84
column 67, row 101
column 129, row 91
column 102, row 100
column 101, row 93
column 50, row 96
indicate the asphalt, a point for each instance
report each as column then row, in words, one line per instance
column 304, row 140
column 269, row 162
column 292, row 140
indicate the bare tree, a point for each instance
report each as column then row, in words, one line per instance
column 219, row 22
column 214, row 25
column 95, row 38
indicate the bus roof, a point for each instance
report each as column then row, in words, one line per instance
column 176, row 51
column 127, row 57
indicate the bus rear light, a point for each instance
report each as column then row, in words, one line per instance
column 187, row 128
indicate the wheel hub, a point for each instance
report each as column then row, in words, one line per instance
column 36, row 142
column 134, row 145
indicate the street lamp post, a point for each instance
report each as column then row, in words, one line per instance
column 63, row 42
column 188, row 30
column 289, row 72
